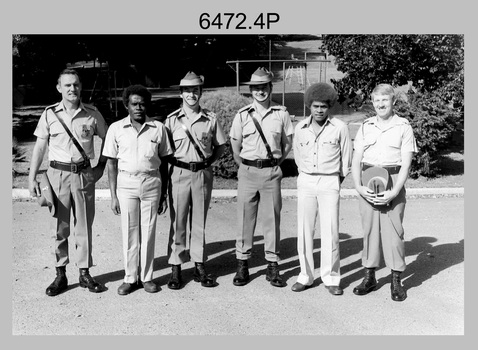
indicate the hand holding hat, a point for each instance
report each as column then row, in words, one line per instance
column 47, row 197
column 376, row 179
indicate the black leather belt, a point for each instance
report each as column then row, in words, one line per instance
column 261, row 163
column 193, row 166
column 71, row 167
column 392, row 170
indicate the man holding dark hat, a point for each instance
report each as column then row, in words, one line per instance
column 384, row 148
column 323, row 153
column 261, row 138
column 198, row 140
column 136, row 147
column 71, row 176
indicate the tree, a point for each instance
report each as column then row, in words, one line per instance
column 431, row 62
column 434, row 64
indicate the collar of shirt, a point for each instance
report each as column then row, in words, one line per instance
column 61, row 107
column 272, row 107
column 394, row 121
column 149, row 121
column 200, row 114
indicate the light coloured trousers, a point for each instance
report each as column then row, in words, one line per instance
column 383, row 232
column 317, row 194
column 189, row 199
column 75, row 194
column 138, row 196
column 258, row 187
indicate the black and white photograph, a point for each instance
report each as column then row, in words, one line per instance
column 245, row 170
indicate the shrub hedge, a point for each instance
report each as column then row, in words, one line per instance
column 225, row 104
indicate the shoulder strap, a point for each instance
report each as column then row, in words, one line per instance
column 196, row 146
column 73, row 139
column 259, row 129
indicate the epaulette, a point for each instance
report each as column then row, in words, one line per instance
column 51, row 106
column 174, row 113
column 88, row 106
column 404, row 120
column 368, row 120
column 282, row 108
column 208, row 113
column 244, row 108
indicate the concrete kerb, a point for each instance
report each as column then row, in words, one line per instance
column 104, row 194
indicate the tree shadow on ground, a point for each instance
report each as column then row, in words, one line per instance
column 431, row 261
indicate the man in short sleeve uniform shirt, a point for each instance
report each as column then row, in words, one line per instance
column 136, row 147
column 259, row 173
column 198, row 140
column 385, row 141
column 71, row 176
column 323, row 153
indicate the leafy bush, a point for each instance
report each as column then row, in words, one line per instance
column 225, row 104
column 433, row 122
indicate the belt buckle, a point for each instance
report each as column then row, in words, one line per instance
column 192, row 167
column 259, row 163
column 74, row 167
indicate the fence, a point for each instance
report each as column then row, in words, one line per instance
column 291, row 79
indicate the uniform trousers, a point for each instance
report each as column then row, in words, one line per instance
column 382, row 226
column 138, row 196
column 318, row 194
column 75, row 194
column 189, row 199
column 258, row 187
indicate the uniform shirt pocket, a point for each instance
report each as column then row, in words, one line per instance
column 56, row 129
column 248, row 129
column 330, row 147
column 178, row 137
column 152, row 149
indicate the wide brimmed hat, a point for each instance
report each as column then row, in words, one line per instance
column 375, row 178
column 47, row 196
column 260, row 76
column 192, row 79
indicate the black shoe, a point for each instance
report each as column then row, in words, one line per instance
column 60, row 284
column 175, row 281
column 200, row 275
column 273, row 276
column 150, row 287
column 299, row 287
column 396, row 288
column 86, row 281
column 126, row 288
column 368, row 284
column 335, row 290
column 242, row 276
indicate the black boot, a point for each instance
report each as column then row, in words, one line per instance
column 175, row 280
column 86, row 281
column 60, row 284
column 368, row 284
column 398, row 293
column 273, row 276
column 200, row 275
column 242, row 276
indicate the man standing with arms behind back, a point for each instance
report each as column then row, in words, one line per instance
column 71, row 176
column 384, row 144
column 136, row 147
column 261, row 138
column 323, row 153
column 198, row 141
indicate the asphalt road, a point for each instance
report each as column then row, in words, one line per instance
column 434, row 232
